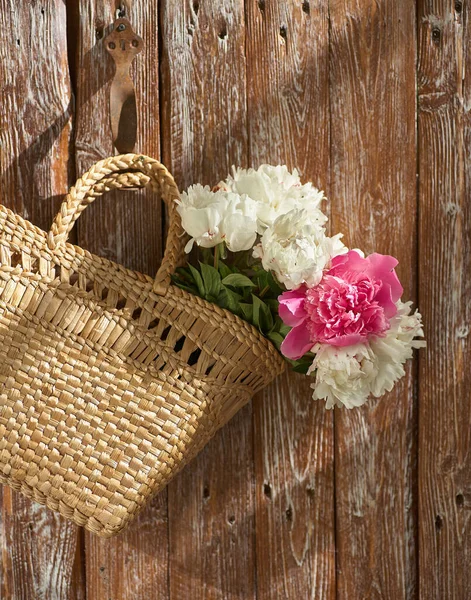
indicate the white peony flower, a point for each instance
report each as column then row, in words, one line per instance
column 347, row 376
column 297, row 250
column 276, row 191
column 343, row 375
column 214, row 217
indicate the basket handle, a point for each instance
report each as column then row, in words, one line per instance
column 124, row 171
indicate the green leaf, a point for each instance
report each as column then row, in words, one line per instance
column 266, row 320
column 284, row 329
column 182, row 273
column 276, row 338
column 224, row 270
column 272, row 304
column 205, row 255
column 237, row 280
column 187, row 288
column 262, row 279
column 247, row 311
column 223, row 300
column 262, row 317
column 301, row 367
column 256, row 311
column 229, row 299
column 212, row 281
column 198, row 280
column 274, row 285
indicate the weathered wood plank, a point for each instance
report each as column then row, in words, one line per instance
column 211, row 519
column 134, row 564
column 203, row 89
column 39, row 551
column 295, row 531
column 444, row 119
column 204, row 132
column 288, row 107
column 38, row 546
column 220, row 525
column 78, row 588
column 35, row 120
column 372, row 73
column 125, row 227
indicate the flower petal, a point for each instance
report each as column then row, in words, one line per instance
column 349, row 261
column 349, row 339
column 381, row 263
column 189, row 245
column 296, row 343
column 376, row 266
column 291, row 309
column 382, row 267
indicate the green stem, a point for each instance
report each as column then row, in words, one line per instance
column 264, row 291
column 216, row 256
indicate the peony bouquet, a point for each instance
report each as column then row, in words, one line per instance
column 264, row 254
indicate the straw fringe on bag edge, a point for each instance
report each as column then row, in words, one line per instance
column 110, row 381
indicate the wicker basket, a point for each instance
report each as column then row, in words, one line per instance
column 110, row 381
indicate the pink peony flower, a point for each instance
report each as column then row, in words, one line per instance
column 354, row 300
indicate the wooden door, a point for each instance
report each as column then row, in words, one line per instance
column 371, row 100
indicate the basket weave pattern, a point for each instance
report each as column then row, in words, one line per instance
column 110, row 381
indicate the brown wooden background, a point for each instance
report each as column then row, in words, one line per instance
column 371, row 100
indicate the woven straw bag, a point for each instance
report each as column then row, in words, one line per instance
column 110, row 381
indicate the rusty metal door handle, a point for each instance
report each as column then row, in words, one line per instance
column 123, row 45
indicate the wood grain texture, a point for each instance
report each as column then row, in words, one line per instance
column 288, row 108
column 211, row 518
column 126, row 227
column 328, row 87
column 35, row 120
column 204, row 127
column 445, row 299
column 373, row 149
column 122, row 226
column 38, row 546
column 133, row 565
column 295, row 529
column 211, row 508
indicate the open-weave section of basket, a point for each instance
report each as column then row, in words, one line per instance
column 110, row 381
